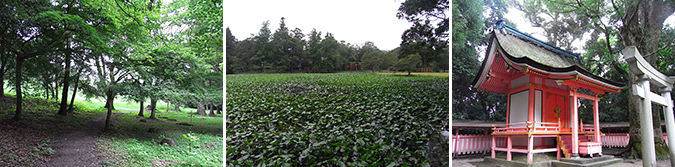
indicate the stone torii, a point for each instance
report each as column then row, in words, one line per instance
column 646, row 75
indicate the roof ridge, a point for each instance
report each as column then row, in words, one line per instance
column 508, row 29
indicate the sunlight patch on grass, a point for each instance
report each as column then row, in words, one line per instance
column 132, row 145
column 431, row 74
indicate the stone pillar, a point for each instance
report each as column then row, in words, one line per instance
column 670, row 123
column 646, row 127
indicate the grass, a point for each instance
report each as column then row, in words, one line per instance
column 442, row 75
column 339, row 119
column 132, row 145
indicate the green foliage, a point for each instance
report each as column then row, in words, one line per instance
column 349, row 119
column 428, row 36
column 132, row 145
column 468, row 34
column 378, row 60
column 409, row 63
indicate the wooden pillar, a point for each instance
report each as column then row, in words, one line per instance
column 596, row 119
column 670, row 122
column 575, row 122
column 509, row 145
column 646, row 127
column 530, row 145
column 508, row 106
column 530, row 103
column 494, row 145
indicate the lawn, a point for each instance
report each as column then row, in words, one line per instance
column 340, row 119
column 442, row 75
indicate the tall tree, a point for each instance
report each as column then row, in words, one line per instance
column 283, row 48
column 205, row 42
column 468, row 34
column 263, row 49
column 428, row 36
column 230, row 51
column 409, row 63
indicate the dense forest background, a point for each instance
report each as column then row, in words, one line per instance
column 292, row 50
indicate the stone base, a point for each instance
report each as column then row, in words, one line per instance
column 586, row 162
column 605, row 160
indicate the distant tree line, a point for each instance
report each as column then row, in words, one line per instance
column 288, row 50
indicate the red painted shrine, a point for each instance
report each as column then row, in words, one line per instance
column 543, row 84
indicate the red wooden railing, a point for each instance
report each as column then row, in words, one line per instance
column 620, row 139
column 615, row 139
column 526, row 127
column 473, row 144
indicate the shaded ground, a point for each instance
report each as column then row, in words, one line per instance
column 27, row 142
column 477, row 160
column 77, row 148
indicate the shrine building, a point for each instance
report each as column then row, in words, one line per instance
column 543, row 84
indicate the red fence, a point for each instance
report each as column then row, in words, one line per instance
column 620, row 139
column 425, row 69
column 472, row 144
column 615, row 140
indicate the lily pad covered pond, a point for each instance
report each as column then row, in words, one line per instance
column 342, row 119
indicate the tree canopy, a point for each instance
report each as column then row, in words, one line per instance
column 137, row 49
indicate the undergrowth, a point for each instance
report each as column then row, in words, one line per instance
column 131, row 144
column 342, row 119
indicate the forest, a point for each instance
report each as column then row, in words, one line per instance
column 291, row 50
column 603, row 28
column 53, row 52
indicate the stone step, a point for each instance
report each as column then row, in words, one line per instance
column 587, row 160
column 592, row 164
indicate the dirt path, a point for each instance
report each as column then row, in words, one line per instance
column 77, row 147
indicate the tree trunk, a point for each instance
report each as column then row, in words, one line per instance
column 140, row 111
column 212, row 108
column 110, row 97
column 200, row 108
column 56, row 91
column 153, row 107
column 2, row 81
column 17, row 85
column 3, row 71
column 63, row 109
column 167, row 106
column 642, row 24
column 109, row 105
column 72, row 100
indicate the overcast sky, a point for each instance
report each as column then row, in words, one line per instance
column 354, row 21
